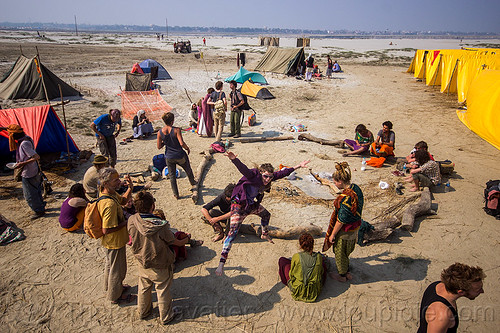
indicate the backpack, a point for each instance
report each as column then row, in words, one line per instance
column 219, row 107
column 92, row 223
column 492, row 198
column 159, row 161
column 245, row 105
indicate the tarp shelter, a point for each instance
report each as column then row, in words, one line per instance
column 149, row 101
column 138, row 82
column 280, row 60
column 42, row 124
column 243, row 75
column 29, row 79
column 482, row 115
column 149, row 65
column 255, row 91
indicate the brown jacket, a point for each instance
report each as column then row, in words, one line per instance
column 151, row 237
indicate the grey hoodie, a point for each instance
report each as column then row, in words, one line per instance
column 151, row 237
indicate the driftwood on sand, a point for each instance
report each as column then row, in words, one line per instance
column 264, row 139
column 324, row 181
column 309, row 137
column 422, row 207
column 295, row 232
column 200, row 173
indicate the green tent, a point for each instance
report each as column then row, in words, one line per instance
column 29, row 79
column 243, row 75
column 281, row 60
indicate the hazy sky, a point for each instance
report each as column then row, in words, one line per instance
column 366, row 15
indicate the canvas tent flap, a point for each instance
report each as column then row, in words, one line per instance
column 24, row 80
column 243, row 75
column 281, row 60
column 255, row 91
column 147, row 66
column 42, row 124
column 149, row 101
column 483, row 105
column 138, row 82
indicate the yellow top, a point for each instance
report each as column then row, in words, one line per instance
column 112, row 215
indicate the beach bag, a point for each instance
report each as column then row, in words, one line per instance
column 492, row 198
column 92, row 222
column 219, row 107
column 252, row 119
column 446, row 167
column 159, row 161
column 218, row 147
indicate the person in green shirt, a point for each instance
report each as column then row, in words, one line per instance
column 305, row 273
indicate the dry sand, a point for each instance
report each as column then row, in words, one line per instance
column 52, row 281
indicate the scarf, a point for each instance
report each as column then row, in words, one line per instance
column 139, row 114
column 348, row 192
column 13, row 129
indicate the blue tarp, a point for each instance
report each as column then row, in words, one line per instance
column 243, row 75
column 162, row 72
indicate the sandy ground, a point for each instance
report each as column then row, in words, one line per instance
column 52, row 281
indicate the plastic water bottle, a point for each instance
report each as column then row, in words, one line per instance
column 363, row 164
column 404, row 168
column 447, row 186
column 226, row 145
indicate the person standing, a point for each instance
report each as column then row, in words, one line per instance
column 219, row 112
column 205, row 119
column 237, row 102
column 438, row 308
column 115, row 234
column 204, row 42
column 345, row 221
column 104, row 128
column 31, row 176
column 329, row 67
column 309, row 67
column 246, row 198
column 151, row 241
column 171, row 137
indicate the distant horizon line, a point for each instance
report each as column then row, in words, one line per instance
column 245, row 30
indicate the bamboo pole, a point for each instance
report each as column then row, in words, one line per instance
column 64, row 118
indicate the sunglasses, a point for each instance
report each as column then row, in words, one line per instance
column 268, row 176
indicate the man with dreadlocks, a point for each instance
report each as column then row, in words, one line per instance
column 344, row 222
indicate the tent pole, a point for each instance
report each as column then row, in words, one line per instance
column 21, row 48
column 451, row 77
column 64, row 118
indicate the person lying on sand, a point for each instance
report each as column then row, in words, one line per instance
column 246, row 198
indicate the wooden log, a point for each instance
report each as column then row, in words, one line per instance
column 421, row 207
column 309, row 137
column 264, row 139
column 295, row 232
column 200, row 175
column 326, row 182
column 383, row 229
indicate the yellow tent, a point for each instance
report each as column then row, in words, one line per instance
column 483, row 107
column 432, row 68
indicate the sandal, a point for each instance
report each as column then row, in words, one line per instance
column 125, row 300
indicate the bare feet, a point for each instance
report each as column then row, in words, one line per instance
column 413, row 189
column 218, row 237
column 220, row 270
column 267, row 238
column 337, row 277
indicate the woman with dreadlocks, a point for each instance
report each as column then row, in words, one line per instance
column 345, row 221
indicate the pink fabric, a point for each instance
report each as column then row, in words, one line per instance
column 207, row 115
column 493, row 197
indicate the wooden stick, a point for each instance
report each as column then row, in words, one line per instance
column 264, row 139
column 309, row 137
column 199, row 175
column 64, row 118
column 188, row 95
column 295, row 232
column 326, row 182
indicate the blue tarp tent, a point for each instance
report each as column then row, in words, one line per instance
column 147, row 64
column 42, row 124
column 243, row 75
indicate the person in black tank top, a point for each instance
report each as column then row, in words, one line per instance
column 438, row 309
column 170, row 137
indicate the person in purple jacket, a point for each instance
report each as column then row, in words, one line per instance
column 246, row 199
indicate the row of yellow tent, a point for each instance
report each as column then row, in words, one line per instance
column 453, row 70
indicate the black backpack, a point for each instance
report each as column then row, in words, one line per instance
column 492, row 202
column 245, row 105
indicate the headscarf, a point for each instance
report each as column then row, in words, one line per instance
column 13, row 129
column 140, row 113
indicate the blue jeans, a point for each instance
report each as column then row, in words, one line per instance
column 32, row 190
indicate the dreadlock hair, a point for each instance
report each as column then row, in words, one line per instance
column 342, row 172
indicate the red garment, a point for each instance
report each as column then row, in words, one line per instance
column 180, row 251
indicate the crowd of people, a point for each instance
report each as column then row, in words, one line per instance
column 134, row 220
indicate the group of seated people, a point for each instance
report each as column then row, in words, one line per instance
column 424, row 171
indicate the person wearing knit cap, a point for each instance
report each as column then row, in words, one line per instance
column 104, row 128
column 27, row 160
